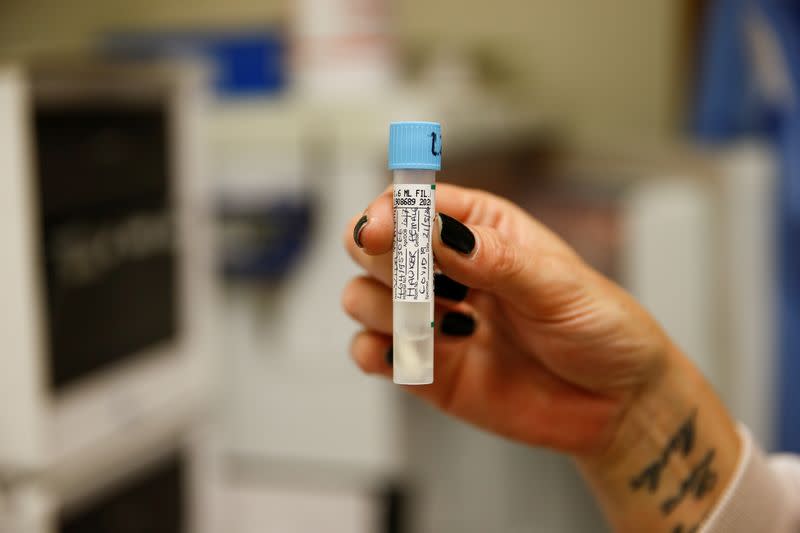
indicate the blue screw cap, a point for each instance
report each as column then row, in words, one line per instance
column 415, row 145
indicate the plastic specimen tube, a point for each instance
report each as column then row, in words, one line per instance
column 415, row 150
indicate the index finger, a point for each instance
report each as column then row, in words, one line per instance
column 373, row 231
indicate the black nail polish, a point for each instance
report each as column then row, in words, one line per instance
column 458, row 324
column 450, row 289
column 456, row 235
column 357, row 230
column 389, row 356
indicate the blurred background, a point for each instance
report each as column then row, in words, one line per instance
column 175, row 179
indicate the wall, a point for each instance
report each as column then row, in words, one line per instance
column 607, row 70
column 43, row 25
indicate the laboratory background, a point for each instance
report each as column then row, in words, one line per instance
column 175, row 181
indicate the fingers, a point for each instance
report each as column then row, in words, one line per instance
column 369, row 350
column 377, row 266
column 456, row 324
column 368, row 236
column 380, row 268
column 372, row 353
column 497, row 248
column 372, row 230
column 472, row 205
column 370, row 302
column 526, row 270
column 476, row 256
column 449, row 289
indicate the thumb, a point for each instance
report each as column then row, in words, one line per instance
column 483, row 258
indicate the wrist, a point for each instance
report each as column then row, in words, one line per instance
column 672, row 453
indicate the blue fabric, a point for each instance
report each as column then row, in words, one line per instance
column 784, row 16
column 725, row 107
column 789, row 294
column 729, row 106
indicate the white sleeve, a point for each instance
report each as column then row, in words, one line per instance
column 763, row 496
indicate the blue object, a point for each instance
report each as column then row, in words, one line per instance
column 730, row 107
column 271, row 238
column 725, row 99
column 415, row 145
column 247, row 62
column 784, row 17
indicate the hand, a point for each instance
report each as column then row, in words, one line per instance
column 554, row 352
column 543, row 350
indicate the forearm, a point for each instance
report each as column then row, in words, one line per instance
column 671, row 458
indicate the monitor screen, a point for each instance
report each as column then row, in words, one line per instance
column 108, row 242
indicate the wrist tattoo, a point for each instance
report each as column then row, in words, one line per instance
column 681, row 442
column 699, row 482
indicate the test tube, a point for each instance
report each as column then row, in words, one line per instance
column 415, row 154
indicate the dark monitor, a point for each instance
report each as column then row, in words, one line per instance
column 105, row 214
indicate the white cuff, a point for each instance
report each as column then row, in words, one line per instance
column 756, row 500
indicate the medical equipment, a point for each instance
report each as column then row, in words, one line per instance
column 415, row 151
column 107, row 269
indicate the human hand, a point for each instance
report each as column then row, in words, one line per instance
column 544, row 350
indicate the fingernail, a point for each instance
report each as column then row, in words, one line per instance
column 456, row 235
column 458, row 324
column 389, row 356
column 357, row 230
column 450, row 289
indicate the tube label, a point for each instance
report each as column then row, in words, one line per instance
column 412, row 268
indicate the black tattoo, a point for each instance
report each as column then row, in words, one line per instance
column 680, row 529
column 681, row 442
column 699, row 482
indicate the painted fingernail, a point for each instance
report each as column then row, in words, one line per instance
column 458, row 324
column 359, row 227
column 448, row 288
column 389, row 356
column 456, row 235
